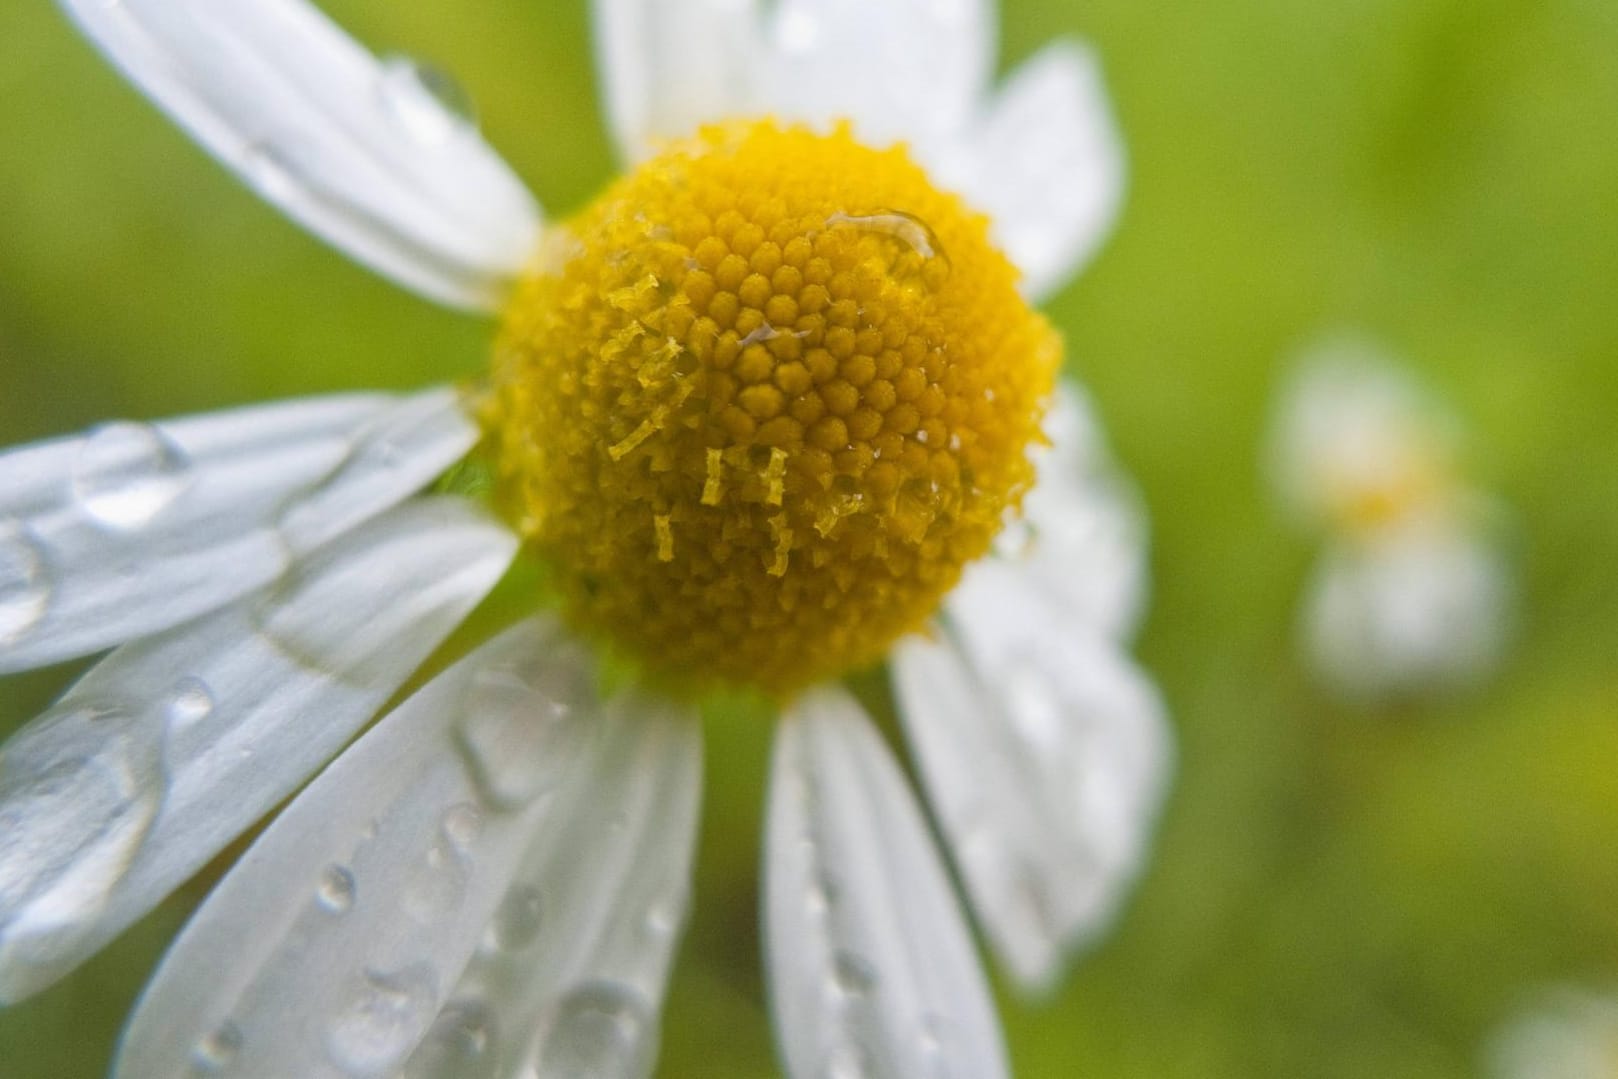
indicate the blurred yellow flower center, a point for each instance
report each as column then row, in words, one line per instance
column 761, row 402
column 1414, row 478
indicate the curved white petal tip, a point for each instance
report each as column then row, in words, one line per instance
column 370, row 156
column 1046, row 754
column 872, row 971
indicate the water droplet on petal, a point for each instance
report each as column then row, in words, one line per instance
column 270, row 170
column 25, row 589
column 218, row 1050
column 383, row 1020
column 335, row 891
column 600, row 1028
column 853, row 975
column 424, row 100
column 522, row 726
column 437, row 882
column 462, row 824
column 76, row 801
column 822, row 893
column 126, row 474
column 1034, row 706
column 190, row 703
column 848, row 1061
column 938, row 1055
column 663, row 919
column 462, row 1044
column 519, row 918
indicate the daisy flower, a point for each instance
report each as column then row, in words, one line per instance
column 1411, row 593
column 754, row 411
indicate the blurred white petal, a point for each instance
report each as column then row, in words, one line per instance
column 135, row 528
column 904, row 71
column 1082, row 531
column 173, row 746
column 332, row 945
column 571, row 973
column 1046, row 756
column 668, row 68
column 1046, row 164
column 363, row 153
column 872, row 971
column 1417, row 607
column 1570, row 1034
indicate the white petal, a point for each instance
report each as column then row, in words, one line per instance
column 903, row 70
column 173, row 746
column 571, row 974
column 1046, row 756
column 330, row 948
column 361, row 153
column 666, row 69
column 1047, row 164
column 1082, row 529
column 871, row 968
column 136, row 528
column 1570, row 1033
column 1417, row 608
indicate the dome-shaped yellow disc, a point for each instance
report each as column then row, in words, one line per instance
column 760, row 403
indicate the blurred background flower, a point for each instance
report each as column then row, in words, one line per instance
column 1327, row 898
column 1412, row 592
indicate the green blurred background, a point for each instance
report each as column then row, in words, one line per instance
column 1336, row 893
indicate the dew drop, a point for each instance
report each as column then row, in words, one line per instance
column 437, row 882
column 663, row 919
column 382, row 1020
column 296, row 616
column 25, row 590
column 335, row 890
column 853, row 975
column 424, row 100
column 848, row 1061
column 908, row 229
column 270, row 170
column 522, row 726
column 1034, row 705
column 217, row 1050
column 822, row 894
column 600, row 1028
column 519, row 918
column 78, row 794
column 126, row 474
column 463, row 1043
column 937, row 1051
column 190, row 702
column 462, row 824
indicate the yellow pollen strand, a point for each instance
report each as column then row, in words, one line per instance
column 775, row 476
column 714, row 488
column 665, row 537
column 762, row 401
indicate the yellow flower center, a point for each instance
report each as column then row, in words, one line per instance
column 760, row 403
